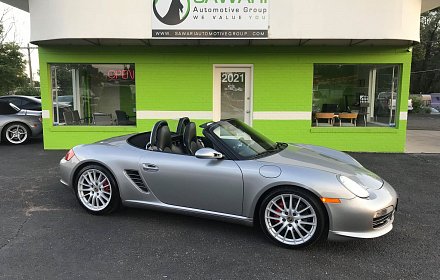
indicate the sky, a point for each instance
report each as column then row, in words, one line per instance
column 20, row 33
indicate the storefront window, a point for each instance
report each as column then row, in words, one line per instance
column 93, row 94
column 355, row 95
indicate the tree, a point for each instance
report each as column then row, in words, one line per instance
column 12, row 63
column 425, row 77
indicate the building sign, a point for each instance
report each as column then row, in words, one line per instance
column 210, row 19
column 126, row 74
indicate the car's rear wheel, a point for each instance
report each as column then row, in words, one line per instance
column 292, row 218
column 16, row 133
column 96, row 190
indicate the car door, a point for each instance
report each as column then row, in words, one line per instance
column 182, row 180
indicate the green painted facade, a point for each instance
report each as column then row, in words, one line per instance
column 181, row 79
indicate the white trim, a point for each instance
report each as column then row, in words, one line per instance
column 45, row 114
column 207, row 115
column 403, row 116
column 297, row 116
column 198, row 115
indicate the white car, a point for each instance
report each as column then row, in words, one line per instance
column 385, row 97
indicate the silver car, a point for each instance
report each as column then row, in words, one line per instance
column 16, row 126
column 297, row 194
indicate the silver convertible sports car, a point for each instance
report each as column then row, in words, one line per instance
column 297, row 194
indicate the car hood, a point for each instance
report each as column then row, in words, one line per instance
column 327, row 160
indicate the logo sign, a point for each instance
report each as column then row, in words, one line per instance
column 210, row 19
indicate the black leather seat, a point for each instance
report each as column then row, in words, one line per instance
column 181, row 125
column 190, row 140
column 160, row 139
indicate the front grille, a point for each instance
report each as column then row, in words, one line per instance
column 136, row 179
column 382, row 220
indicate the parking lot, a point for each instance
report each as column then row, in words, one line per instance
column 44, row 234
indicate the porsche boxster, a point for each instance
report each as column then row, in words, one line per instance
column 298, row 194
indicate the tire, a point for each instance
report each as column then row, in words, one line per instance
column 16, row 133
column 96, row 190
column 298, row 225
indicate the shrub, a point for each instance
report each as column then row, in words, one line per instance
column 417, row 104
column 28, row 91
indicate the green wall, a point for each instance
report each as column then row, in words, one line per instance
column 180, row 79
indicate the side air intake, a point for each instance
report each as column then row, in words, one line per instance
column 136, row 179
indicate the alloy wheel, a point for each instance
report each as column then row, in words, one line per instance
column 290, row 219
column 94, row 190
column 16, row 134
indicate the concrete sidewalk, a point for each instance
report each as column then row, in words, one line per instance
column 422, row 141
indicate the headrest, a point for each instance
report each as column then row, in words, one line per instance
column 181, row 125
column 154, row 133
column 190, row 132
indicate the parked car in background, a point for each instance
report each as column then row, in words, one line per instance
column 17, row 126
column 66, row 100
column 384, row 103
column 31, row 104
column 435, row 101
column 410, row 105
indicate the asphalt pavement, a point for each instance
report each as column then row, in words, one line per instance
column 44, row 234
column 423, row 134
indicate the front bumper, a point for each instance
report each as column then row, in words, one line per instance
column 354, row 218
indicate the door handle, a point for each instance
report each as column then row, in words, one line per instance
column 150, row 167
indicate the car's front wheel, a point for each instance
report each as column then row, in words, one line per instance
column 292, row 218
column 96, row 190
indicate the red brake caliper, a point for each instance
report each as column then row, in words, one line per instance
column 106, row 186
column 281, row 205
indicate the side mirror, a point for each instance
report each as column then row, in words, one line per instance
column 208, row 153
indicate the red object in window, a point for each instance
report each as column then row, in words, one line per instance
column 127, row 74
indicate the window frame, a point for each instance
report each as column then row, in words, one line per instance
column 90, row 125
column 371, row 84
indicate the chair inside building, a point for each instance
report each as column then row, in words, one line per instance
column 68, row 117
column 364, row 105
column 122, row 118
column 102, row 119
column 76, row 118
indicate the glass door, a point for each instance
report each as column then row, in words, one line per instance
column 387, row 94
column 233, row 93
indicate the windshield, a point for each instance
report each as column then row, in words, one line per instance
column 244, row 140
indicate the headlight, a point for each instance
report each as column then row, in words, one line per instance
column 353, row 187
